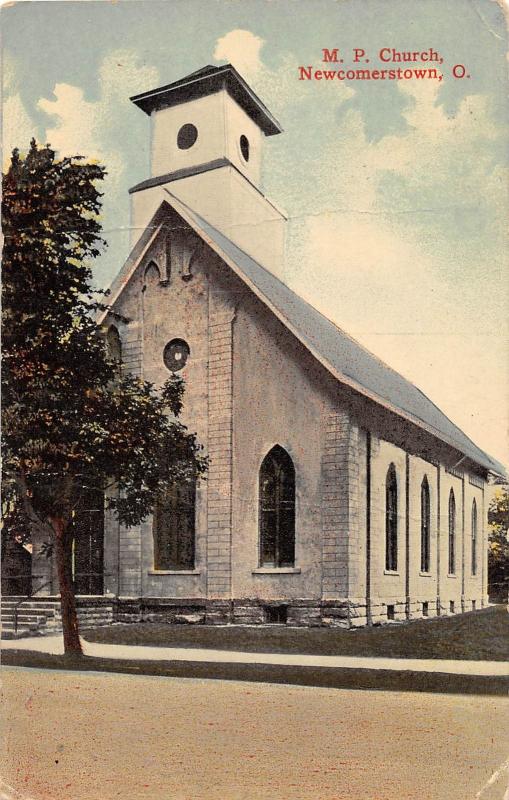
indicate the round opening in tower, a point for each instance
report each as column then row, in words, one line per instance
column 187, row 136
column 176, row 354
column 244, row 147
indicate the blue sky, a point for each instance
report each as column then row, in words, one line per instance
column 396, row 192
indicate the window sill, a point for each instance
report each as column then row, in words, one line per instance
column 452, row 575
column 174, row 572
column 391, row 572
column 425, row 574
column 276, row 571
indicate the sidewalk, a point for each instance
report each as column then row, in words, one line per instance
column 54, row 645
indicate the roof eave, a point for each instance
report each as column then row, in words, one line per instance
column 226, row 78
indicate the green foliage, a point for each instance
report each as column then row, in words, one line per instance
column 498, row 553
column 69, row 421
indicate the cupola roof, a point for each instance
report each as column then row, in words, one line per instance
column 205, row 81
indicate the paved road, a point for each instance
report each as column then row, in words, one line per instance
column 95, row 736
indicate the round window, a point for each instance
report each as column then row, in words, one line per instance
column 187, row 136
column 176, row 354
column 244, row 147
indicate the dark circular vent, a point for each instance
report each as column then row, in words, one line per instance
column 176, row 354
column 244, row 147
column 187, row 136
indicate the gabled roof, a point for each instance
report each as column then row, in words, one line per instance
column 209, row 80
column 342, row 356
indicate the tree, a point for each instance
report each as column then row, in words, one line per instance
column 498, row 553
column 71, row 424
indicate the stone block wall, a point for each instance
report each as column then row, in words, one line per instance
column 219, row 479
column 338, row 452
column 344, row 521
column 388, row 588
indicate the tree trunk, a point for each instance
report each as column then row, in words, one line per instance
column 72, row 643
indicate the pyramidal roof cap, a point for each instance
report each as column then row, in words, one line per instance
column 209, row 80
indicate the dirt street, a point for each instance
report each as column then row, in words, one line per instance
column 92, row 736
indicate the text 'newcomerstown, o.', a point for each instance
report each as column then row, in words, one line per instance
column 391, row 65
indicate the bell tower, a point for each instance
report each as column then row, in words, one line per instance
column 207, row 138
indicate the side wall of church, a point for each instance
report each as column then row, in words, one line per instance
column 409, row 591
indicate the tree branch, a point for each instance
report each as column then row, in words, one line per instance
column 28, row 509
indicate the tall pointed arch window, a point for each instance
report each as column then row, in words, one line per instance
column 391, row 519
column 114, row 349
column 152, row 275
column 452, row 533
column 174, row 528
column 277, row 509
column 425, row 526
column 474, row 538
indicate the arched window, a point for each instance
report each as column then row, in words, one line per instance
column 452, row 533
column 114, row 348
column 391, row 519
column 152, row 275
column 425, row 526
column 114, row 343
column 277, row 509
column 87, row 543
column 474, row 538
column 174, row 528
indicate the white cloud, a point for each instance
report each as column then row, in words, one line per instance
column 379, row 286
column 94, row 128
column 103, row 130
column 74, row 129
column 402, row 200
column 242, row 49
column 279, row 86
column 358, row 267
column 18, row 127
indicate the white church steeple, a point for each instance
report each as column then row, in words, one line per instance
column 207, row 138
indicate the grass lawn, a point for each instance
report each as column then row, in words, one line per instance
column 477, row 635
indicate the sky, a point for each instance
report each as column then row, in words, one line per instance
column 396, row 191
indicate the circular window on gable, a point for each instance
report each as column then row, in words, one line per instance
column 175, row 354
column 244, row 147
column 187, row 136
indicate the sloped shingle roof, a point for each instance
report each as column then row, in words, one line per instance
column 345, row 358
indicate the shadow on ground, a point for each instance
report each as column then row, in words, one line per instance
column 333, row 678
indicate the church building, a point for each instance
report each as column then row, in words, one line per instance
column 337, row 492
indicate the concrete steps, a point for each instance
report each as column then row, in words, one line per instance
column 39, row 616
column 21, row 618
